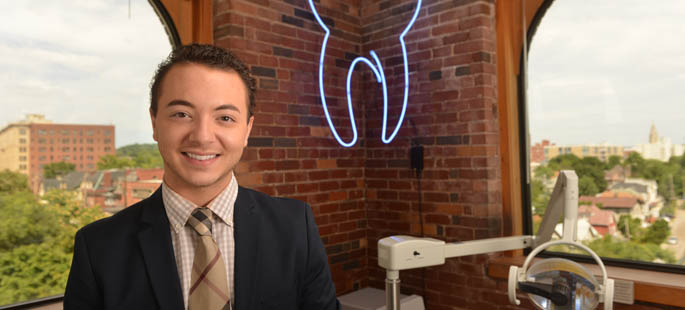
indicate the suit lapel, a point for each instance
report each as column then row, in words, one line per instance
column 246, row 221
column 155, row 243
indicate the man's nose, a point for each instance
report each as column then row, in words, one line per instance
column 202, row 131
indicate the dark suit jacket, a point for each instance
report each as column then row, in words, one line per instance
column 127, row 261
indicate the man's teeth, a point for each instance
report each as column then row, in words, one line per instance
column 200, row 157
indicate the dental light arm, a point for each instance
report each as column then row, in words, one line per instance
column 397, row 253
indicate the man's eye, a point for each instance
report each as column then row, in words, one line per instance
column 226, row 119
column 180, row 115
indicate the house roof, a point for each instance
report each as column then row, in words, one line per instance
column 611, row 202
column 603, row 218
column 638, row 188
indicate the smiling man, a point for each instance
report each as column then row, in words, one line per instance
column 201, row 241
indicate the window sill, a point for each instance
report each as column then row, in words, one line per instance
column 649, row 286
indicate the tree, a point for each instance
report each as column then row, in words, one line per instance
column 657, row 233
column 630, row 227
column 36, row 242
column 53, row 170
column 613, row 161
column 609, row 247
column 114, row 162
column 587, row 186
column 143, row 155
column 11, row 182
column 540, row 196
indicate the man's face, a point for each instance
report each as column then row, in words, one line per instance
column 201, row 127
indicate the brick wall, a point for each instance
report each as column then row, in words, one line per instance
column 291, row 151
column 453, row 115
column 367, row 192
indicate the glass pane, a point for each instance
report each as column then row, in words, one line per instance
column 605, row 99
column 74, row 77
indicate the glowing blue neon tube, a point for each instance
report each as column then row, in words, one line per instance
column 377, row 69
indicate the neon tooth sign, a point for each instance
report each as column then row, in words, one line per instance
column 377, row 69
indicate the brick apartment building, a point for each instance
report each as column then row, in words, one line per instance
column 26, row 146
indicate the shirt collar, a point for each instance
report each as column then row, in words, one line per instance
column 178, row 209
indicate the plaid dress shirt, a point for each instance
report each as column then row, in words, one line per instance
column 184, row 238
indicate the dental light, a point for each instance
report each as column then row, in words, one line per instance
column 552, row 283
column 378, row 72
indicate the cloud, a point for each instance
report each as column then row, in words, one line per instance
column 81, row 61
column 606, row 71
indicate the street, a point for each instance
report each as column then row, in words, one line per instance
column 678, row 230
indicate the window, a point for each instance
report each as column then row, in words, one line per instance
column 22, row 150
column 89, row 149
column 22, row 158
column 54, row 54
column 108, row 140
column 22, row 141
column 90, row 141
column 583, row 93
column 22, row 131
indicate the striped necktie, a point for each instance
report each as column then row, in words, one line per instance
column 209, row 288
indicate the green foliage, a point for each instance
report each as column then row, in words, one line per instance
column 630, row 227
column 11, row 182
column 669, row 209
column 649, row 252
column 540, row 196
column 133, row 156
column 657, row 233
column 114, row 162
column 36, row 242
column 613, row 161
column 587, row 186
column 53, row 170
column 143, row 155
column 590, row 171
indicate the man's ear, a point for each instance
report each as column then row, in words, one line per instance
column 153, row 117
column 250, row 121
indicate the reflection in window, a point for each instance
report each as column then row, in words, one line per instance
column 70, row 62
column 605, row 100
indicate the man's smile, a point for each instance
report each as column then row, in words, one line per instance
column 199, row 156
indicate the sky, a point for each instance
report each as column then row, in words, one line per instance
column 597, row 73
column 81, row 61
column 604, row 71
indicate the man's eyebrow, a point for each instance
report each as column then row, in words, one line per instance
column 180, row 102
column 190, row 105
column 227, row 107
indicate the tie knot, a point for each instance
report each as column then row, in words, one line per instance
column 200, row 221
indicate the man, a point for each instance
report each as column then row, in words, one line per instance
column 201, row 241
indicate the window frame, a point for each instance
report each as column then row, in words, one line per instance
column 524, row 144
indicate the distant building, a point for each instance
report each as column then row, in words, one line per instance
column 659, row 148
column 537, row 151
column 601, row 151
column 617, row 205
column 603, row 221
column 26, row 146
column 113, row 189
